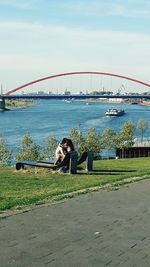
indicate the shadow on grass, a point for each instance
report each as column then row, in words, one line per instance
column 97, row 173
column 110, row 170
column 104, row 172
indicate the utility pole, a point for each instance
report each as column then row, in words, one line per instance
column 1, row 90
column 79, row 135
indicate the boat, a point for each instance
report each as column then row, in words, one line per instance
column 114, row 112
column 69, row 100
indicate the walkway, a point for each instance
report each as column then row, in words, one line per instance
column 97, row 229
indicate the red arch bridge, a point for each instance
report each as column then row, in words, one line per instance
column 9, row 94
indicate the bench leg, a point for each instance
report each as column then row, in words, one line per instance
column 73, row 163
column 19, row 166
column 89, row 161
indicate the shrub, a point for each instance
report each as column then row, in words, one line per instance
column 29, row 150
column 5, row 153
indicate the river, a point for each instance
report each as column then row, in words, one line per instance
column 56, row 117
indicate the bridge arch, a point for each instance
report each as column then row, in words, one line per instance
column 76, row 73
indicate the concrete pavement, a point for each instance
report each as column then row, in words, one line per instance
column 104, row 228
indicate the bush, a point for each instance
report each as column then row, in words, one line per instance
column 5, row 153
column 50, row 145
column 29, row 150
column 90, row 141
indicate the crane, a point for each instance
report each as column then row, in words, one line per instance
column 120, row 89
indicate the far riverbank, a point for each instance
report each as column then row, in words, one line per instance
column 145, row 103
column 117, row 101
column 21, row 103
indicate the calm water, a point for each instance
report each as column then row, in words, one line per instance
column 55, row 117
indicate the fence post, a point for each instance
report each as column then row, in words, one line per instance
column 89, row 161
column 73, row 162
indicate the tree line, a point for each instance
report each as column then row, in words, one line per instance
column 91, row 140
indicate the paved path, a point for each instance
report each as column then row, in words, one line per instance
column 97, row 229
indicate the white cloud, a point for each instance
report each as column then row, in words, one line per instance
column 22, row 28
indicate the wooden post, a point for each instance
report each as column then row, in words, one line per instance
column 89, row 161
column 73, row 162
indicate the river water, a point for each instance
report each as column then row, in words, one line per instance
column 56, row 117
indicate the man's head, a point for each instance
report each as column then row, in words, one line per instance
column 65, row 143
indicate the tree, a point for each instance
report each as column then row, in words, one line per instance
column 125, row 138
column 92, row 141
column 50, row 145
column 29, row 150
column 75, row 136
column 142, row 126
column 78, row 139
column 5, row 153
column 107, row 139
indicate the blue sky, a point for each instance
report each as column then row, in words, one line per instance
column 44, row 37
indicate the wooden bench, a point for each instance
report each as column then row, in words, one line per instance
column 70, row 161
column 86, row 156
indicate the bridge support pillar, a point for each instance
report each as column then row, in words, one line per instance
column 2, row 104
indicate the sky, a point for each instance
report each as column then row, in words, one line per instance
column 40, row 38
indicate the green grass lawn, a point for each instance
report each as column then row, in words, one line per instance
column 34, row 186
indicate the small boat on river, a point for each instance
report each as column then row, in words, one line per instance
column 69, row 100
column 113, row 112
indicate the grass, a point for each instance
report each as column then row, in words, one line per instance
column 36, row 186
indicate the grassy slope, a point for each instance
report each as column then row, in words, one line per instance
column 36, row 185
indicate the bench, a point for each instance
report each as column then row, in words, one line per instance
column 86, row 156
column 70, row 161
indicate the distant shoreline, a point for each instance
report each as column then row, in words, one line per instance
column 13, row 104
column 144, row 103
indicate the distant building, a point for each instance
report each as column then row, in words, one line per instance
column 67, row 92
column 139, row 149
column 41, row 93
column 81, row 93
column 115, row 100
